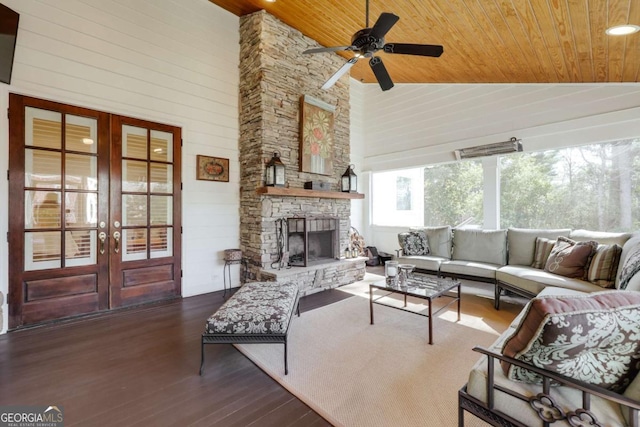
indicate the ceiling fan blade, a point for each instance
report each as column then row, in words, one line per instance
column 414, row 49
column 347, row 65
column 328, row 49
column 381, row 73
column 383, row 25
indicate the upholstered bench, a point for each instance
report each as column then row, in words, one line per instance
column 259, row 312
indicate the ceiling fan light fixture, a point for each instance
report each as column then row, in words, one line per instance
column 622, row 30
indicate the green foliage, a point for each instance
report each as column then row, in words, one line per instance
column 595, row 187
column 453, row 193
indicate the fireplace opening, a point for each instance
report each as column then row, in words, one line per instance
column 312, row 241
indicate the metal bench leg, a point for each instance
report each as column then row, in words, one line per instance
column 286, row 367
column 201, row 357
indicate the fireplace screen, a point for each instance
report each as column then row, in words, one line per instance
column 312, row 241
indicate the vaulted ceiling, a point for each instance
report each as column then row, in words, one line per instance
column 485, row 41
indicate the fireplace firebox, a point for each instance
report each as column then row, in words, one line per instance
column 313, row 240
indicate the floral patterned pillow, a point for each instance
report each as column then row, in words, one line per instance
column 593, row 338
column 414, row 243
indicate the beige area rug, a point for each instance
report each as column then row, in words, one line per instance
column 356, row 374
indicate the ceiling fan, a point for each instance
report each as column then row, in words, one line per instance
column 368, row 41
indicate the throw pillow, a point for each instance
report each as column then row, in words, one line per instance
column 413, row 243
column 592, row 338
column 570, row 258
column 542, row 252
column 604, row 265
column 630, row 268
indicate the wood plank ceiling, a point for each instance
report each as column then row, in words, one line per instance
column 485, row 41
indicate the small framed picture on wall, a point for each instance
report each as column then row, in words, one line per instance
column 212, row 168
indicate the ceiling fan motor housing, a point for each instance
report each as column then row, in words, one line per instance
column 366, row 44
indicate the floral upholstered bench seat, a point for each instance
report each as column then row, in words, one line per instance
column 259, row 312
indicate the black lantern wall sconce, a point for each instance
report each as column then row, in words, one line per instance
column 349, row 183
column 275, row 172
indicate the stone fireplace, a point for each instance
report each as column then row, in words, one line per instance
column 274, row 75
column 312, row 241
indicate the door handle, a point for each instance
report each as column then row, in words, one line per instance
column 102, row 236
column 116, row 237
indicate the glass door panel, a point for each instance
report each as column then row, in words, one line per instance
column 43, row 128
column 134, row 142
column 81, row 134
column 42, row 250
column 134, row 176
column 136, row 244
column 161, row 178
column 81, row 210
column 43, row 169
column 161, row 146
column 134, row 210
column 81, row 172
column 161, row 210
column 161, row 242
column 80, row 247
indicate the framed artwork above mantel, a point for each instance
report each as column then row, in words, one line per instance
column 316, row 136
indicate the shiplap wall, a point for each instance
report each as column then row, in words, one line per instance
column 170, row 61
column 356, row 136
column 414, row 125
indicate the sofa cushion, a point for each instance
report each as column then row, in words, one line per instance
column 488, row 246
column 542, row 252
column 469, row 268
column 570, row 258
column 522, row 243
column 534, row 280
column 604, row 265
column 440, row 240
column 602, row 237
column 592, row 338
column 423, row 262
column 629, row 247
column 630, row 268
column 414, row 242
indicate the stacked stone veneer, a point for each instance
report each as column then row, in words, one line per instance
column 274, row 75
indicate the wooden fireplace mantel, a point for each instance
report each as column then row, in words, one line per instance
column 301, row 192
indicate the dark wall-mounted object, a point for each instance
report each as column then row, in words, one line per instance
column 8, row 34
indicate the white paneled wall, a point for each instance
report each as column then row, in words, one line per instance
column 356, row 131
column 414, row 125
column 170, row 61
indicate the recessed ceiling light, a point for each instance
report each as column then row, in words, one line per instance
column 270, row 1
column 87, row 141
column 622, row 30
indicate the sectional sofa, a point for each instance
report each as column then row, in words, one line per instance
column 508, row 257
column 571, row 357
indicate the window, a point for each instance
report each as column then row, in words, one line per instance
column 453, row 194
column 594, row 187
column 398, row 197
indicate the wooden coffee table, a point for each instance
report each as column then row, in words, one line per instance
column 419, row 286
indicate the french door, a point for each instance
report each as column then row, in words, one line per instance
column 94, row 211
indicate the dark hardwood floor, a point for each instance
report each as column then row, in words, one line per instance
column 140, row 367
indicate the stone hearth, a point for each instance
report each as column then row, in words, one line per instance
column 274, row 75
